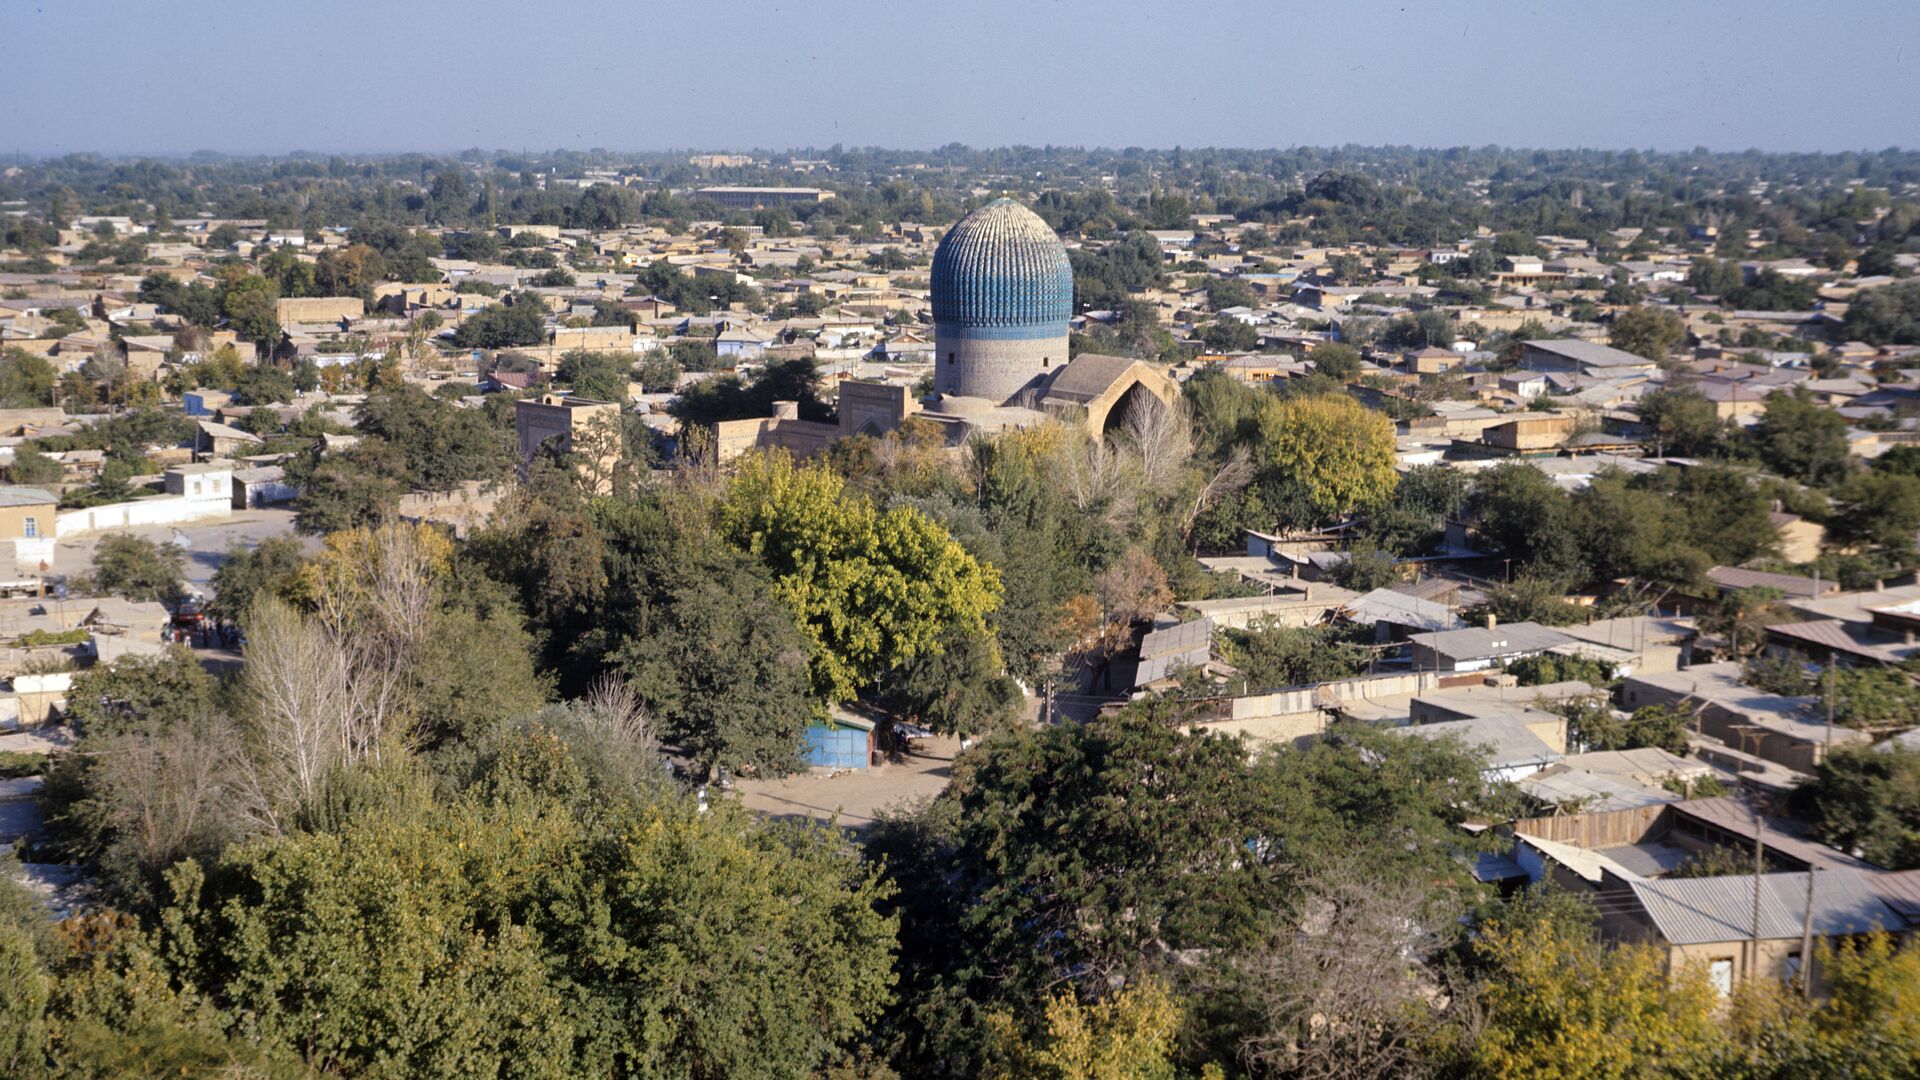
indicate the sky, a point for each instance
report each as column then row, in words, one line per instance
column 351, row 76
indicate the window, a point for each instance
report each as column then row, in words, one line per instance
column 1720, row 974
column 1793, row 967
column 950, row 359
column 33, row 528
column 1046, row 361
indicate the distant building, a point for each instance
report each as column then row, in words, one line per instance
column 1575, row 357
column 757, row 198
column 575, row 425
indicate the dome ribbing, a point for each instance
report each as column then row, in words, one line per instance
column 1001, row 266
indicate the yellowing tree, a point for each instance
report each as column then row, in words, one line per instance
column 1560, row 1007
column 872, row 589
column 1130, row 1036
column 1337, row 452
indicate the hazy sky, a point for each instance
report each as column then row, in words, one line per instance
column 140, row 76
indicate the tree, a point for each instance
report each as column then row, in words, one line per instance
column 23, row 1009
column 1336, row 361
column 350, row 271
column 598, row 375
column 361, row 485
column 1878, row 509
column 1526, row 517
column 724, row 667
column 1130, row 1037
column 517, row 929
column 1802, row 439
column 137, row 568
column 1337, row 452
column 1593, row 725
column 870, row 588
column 268, row 569
column 1527, row 599
column 26, row 381
column 250, row 306
column 1867, row 800
column 33, row 468
column 1558, row 1003
column 1889, row 315
column 1680, row 421
column 1648, row 332
column 442, row 445
column 1367, row 569
column 503, row 326
column 1337, row 990
column 960, row 690
column 1272, row 657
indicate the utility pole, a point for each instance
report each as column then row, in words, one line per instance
column 1759, row 865
column 1806, row 940
column 1826, row 674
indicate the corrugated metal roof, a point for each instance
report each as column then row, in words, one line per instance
column 1698, row 911
column 1187, row 644
column 1507, row 739
column 1730, row 814
column 1899, row 890
column 1390, row 606
column 24, row 496
column 1739, row 577
column 1593, row 791
column 1504, row 640
column 1837, row 636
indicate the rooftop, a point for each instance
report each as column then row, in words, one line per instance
column 1699, row 911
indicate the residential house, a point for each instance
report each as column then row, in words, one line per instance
column 572, row 425
column 27, row 525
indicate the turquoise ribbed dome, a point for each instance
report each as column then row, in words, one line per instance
column 1002, row 267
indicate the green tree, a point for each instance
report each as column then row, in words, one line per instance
column 23, row 1008
column 26, row 381
column 502, row 326
column 1889, row 315
column 1272, row 657
column 724, row 667
column 1802, row 439
column 137, row 568
column 960, row 690
column 1527, row 599
column 249, row 303
column 1680, row 421
column 1522, row 515
column 442, row 445
column 1336, row 361
column 361, row 485
column 1867, row 800
column 1648, row 332
column 268, row 569
column 598, row 375
column 33, row 468
column 1878, row 509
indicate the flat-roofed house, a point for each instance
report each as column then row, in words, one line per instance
column 27, row 526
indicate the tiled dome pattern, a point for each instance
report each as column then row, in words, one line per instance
column 1001, row 266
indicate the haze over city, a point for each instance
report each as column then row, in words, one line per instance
column 128, row 77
